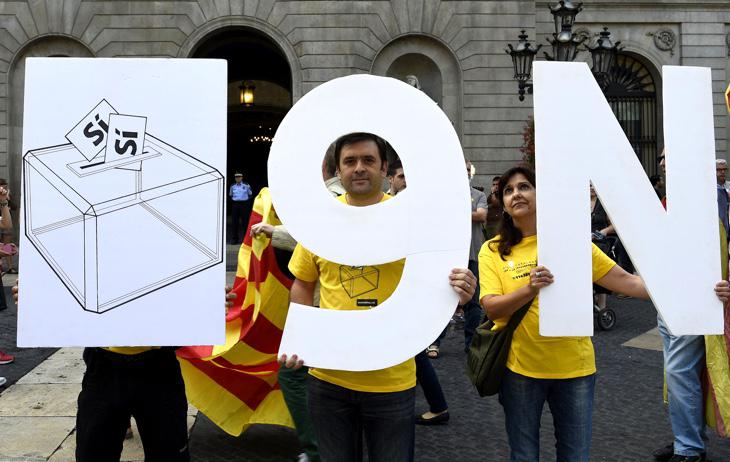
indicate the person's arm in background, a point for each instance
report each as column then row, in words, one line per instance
column 280, row 237
column 608, row 230
column 480, row 214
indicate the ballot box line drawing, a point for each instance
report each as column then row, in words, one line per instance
column 359, row 280
column 114, row 231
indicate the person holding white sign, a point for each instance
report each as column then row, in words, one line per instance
column 379, row 402
column 137, row 381
column 559, row 370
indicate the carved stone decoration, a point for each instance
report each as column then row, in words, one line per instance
column 583, row 33
column 665, row 40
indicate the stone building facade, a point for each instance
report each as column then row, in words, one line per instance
column 286, row 48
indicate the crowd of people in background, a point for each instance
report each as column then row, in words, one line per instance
column 333, row 409
column 559, row 371
column 8, row 250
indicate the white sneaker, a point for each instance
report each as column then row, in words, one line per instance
column 303, row 457
column 3, row 381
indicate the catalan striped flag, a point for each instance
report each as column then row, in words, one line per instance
column 235, row 384
column 717, row 379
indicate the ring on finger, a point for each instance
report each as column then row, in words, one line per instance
column 537, row 274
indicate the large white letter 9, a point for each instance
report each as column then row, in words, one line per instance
column 428, row 223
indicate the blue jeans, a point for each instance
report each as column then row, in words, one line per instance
column 571, row 403
column 429, row 381
column 684, row 358
column 339, row 414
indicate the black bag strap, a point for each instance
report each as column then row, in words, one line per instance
column 517, row 316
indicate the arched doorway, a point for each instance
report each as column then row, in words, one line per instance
column 46, row 46
column 257, row 67
column 630, row 90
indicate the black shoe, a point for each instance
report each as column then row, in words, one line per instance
column 680, row 458
column 437, row 420
column 664, row 453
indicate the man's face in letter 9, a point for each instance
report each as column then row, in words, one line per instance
column 361, row 170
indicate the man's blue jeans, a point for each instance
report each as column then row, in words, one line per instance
column 339, row 414
column 571, row 403
column 684, row 358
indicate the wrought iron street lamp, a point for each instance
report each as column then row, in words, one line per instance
column 522, row 57
column 564, row 14
column 603, row 54
column 565, row 46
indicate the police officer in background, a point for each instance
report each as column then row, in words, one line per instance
column 241, row 195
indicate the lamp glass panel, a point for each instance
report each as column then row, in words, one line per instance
column 248, row 96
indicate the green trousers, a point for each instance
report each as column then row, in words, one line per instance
column 293, row 385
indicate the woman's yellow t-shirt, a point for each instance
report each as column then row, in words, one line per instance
column 531, row 354
column 344, row 287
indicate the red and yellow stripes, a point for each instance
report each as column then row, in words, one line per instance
column 717, row 386
column 235, row 384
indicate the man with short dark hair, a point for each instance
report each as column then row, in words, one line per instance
column 329, row 173
column 494, row 211
column 344, row 403
column 396, row 178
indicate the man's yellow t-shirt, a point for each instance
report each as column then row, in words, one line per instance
column 130, row 350
column 344, row 287
column 531, row 354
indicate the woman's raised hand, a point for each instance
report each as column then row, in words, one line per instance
column 540, row 277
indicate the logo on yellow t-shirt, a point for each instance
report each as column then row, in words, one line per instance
column 519, row 270
column 359, row 280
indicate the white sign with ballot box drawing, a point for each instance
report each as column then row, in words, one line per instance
column 122, row 231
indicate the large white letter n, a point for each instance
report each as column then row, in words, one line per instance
column 677, row 251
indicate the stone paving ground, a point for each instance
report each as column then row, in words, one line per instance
column 629, row 417
column 25, row 358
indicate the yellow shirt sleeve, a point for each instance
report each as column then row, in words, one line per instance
column 303, row 265
column 489, row 281
column 602, row 263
